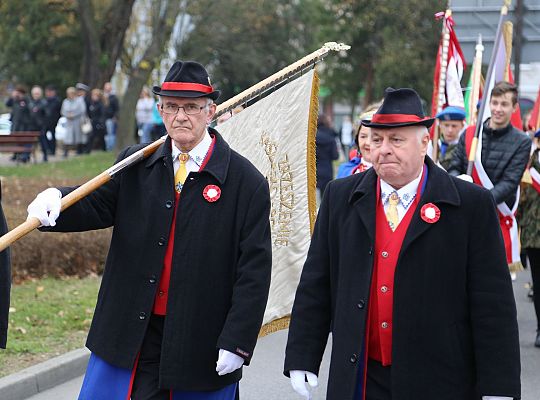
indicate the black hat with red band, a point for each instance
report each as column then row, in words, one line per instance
column 401, row 107
column 187, row 79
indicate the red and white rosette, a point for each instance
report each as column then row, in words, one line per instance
column 211, row 193
column 430, row 213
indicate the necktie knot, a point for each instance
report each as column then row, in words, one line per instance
column 393, row 199
column 181, row 174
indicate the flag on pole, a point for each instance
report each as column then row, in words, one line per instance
column 502, row 72
column 277, row 134
column 453, row 71
column 534, row 122
column 474, row 87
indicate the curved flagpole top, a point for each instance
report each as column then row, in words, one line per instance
column 280, row 76
column 335, row 46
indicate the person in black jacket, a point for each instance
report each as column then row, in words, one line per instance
column 20, row 113
column 19, row 116
column 38, row 118
column 5, row 281
column 504, row 155
column 112, row 107
column 406, row 269
column 187, row 276
column 52, row 115
column 96, row 113
column 326, row 152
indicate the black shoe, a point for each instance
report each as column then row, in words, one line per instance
column 537, row 341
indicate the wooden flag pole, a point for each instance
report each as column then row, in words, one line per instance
column 476, row 80
column 84, row 190
column 485, row 96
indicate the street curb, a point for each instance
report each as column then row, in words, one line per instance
column 43, row 376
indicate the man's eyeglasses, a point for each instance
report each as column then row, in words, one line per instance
column 189, row 109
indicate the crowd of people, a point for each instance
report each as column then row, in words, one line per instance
column 89, row 118
column 408, row 266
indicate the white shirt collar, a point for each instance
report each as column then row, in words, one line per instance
column 406, row 194
column 198, row 153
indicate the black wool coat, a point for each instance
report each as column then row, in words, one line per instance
column 5, row 281
column 221, row 263
column 455, row 333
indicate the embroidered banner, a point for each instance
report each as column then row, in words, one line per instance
column 277, row 134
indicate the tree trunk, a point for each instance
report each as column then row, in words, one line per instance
column 103, row 40
column 139, row 75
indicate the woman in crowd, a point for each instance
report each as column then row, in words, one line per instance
column 96, row 113
column 360, row 159
column 73, row 108
column 144, row 115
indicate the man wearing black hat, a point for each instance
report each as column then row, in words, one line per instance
column 187, row 276
column 418, row 306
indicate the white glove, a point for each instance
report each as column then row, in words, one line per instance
column 465, row 177
column 298, row 382
column 496, row 398
column 228, row 362
column 46, row 207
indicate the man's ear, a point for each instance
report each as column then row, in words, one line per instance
column 211, row 112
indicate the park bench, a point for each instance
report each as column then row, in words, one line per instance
column 20, row 142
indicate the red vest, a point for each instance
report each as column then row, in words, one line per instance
column 162, row 295
column 381, row 298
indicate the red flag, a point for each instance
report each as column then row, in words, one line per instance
column 516, row 120
column 455, row 68
column 534, row 121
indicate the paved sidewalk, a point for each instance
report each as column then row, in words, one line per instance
column 264, row 378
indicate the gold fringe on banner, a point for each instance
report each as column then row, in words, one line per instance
column 311, row 160
column 275, row 326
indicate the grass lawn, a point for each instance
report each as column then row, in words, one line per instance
column 48, row 317
column 77, row 167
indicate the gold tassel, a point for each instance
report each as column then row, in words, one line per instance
column 516, row 267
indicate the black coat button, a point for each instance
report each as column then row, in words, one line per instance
column 161, row 241
column 168, row 204
column 371, row 251
column 142, row 316
column 152, row 279
column 361, row 304
column 353, row 358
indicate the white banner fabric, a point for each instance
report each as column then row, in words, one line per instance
column 274, row 134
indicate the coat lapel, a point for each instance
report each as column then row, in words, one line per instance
column 363, row 198
column 439, row 189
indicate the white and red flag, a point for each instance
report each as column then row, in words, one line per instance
column 449, row 68
column 499, row 70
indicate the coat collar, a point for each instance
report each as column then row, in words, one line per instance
column 439, row 189
column 218, row 164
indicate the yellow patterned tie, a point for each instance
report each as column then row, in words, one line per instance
column 181, row 174
column 391, row 211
